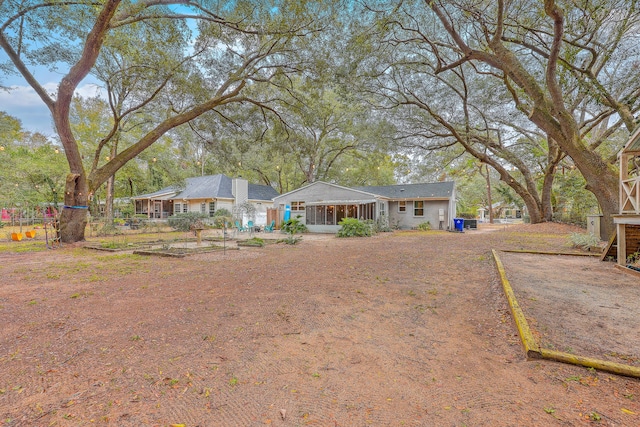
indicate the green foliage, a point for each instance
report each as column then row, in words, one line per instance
column 424, row 226
column 292, row 240
column 381, row 225
column 221, row 217
column 466, row 215
column 633, row 258
column 293, row 226
column 255, row 241
column 583, row 240
column 353, row 227
column 184, row 221
column 572, row 201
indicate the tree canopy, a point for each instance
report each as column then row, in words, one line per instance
column 359, row 93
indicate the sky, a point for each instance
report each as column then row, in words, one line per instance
column 22, row 102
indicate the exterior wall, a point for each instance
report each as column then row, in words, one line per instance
column 224, row 204
column 261, row 212
column 318, row 192
column 407, row 220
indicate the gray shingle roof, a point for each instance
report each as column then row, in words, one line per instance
column 212, row 187
column 412, row 191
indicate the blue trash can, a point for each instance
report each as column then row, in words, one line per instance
column 458, row 224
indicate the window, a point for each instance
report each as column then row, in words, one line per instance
column 212, row 208
column 203, row 208
column 331, row 218
column 185, row 208
column 418, row 208
column 310, row 217
column 382, row 209
column 297, row 206
column 177, row 207
column 402, row 206
column 340, row 213
column 320, row 211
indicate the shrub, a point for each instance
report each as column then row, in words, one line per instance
column 184, row 221
column 220, row 217
column 584, row 241
column 353, row 227
column 293, row 226
column 255, row 241
column 466, row 215
column 424, row 226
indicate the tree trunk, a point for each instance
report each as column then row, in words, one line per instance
column 108, row 202
column 547, row 206
column 73, row 219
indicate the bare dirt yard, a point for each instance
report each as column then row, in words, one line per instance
column 402, row 329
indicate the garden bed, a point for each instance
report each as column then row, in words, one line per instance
column 181, row 252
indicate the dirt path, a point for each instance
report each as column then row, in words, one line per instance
column 399, row 329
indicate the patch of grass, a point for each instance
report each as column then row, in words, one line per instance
column 233, row 381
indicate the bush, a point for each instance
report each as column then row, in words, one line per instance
column 220, row 217
column 184, row 221
column 424, row 226
column 293, row 226
column 353, row 227
column 584, row 241
column 466, row 215
column 255, row 241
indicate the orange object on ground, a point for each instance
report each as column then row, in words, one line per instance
column 16, row 236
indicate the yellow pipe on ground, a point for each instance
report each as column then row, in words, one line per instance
column 601, row 365
column 534, row 351
column 528, row 341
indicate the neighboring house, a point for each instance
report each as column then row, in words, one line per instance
column 502, row 212
column 206, row 194
column 321, row 206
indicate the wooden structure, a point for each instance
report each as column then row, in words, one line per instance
column 628, row 221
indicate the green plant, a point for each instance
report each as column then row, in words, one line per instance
column 353, row 227
column 291, row 240
column 584, row 241
column 293, row 226
column 466, row 215
column 633, row 258
column 184, row 221
column 381, row 225
column 255, row 241
column 220, row 217
column 424, row 226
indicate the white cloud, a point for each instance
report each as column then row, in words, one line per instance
column 24, row 103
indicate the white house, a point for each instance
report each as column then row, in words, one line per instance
column 206, row 194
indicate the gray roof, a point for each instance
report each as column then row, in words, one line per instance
column 412, row 191
column 211, row 187
column 262, row 192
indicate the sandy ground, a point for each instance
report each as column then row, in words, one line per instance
column 405, row 328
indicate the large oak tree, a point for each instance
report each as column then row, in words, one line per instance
column 237, row 47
